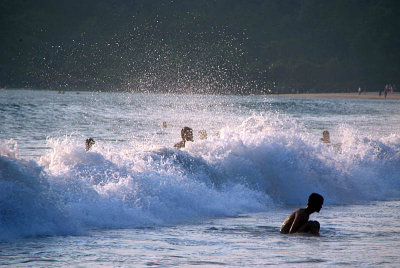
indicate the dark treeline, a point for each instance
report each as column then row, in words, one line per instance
column 224, row 46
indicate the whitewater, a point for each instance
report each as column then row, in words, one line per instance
column 134, row 200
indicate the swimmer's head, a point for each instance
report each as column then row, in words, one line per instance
column 164, row 124
column 187, row 134
column 89, row 143
column 325, row 136
column 315, row 201
column 202, row 134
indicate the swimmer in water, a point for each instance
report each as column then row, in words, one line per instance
column 203, row 134
column 327, row 140
column 298, row 221
column 187, row 135
column 89, row 143
column 326, row 137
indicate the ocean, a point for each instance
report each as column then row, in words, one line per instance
column 133, row 200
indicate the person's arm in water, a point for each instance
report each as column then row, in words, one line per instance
column 311, row 227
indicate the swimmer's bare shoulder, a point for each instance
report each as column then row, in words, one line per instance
column 294, row 222
column 285, row 228
column 180, row 145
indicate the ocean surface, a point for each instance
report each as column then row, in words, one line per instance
column 134, row 200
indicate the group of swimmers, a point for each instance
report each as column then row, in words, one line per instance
column 298, row 221
column 186, row 134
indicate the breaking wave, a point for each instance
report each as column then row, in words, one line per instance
column 266, row 161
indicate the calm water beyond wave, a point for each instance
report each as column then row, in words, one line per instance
column 135, row 201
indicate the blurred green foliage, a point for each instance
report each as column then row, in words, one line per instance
column 215, row 46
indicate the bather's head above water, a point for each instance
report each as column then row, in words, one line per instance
column 187, row 134
column 326, row 137
column 315, row 201
column 89, row 143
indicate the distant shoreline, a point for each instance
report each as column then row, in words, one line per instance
column 368, row 95
column 352, row 95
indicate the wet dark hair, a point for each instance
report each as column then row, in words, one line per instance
column 89, row 142
column 315, row 200
column 183, row 132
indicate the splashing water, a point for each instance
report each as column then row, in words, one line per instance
column 260, row 160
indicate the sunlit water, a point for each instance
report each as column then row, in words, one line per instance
column 134, row 200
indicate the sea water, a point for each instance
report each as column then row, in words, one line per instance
column 134, row 200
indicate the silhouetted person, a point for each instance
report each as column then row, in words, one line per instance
column 89, row 143
column 298, row 221
column 202, row 134
column 385, row 92
column 187, row 135
column 326, row 137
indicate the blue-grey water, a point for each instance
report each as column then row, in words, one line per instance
column 133, row 200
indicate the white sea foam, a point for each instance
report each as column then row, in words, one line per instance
column 265, row 161
column 28, row 206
